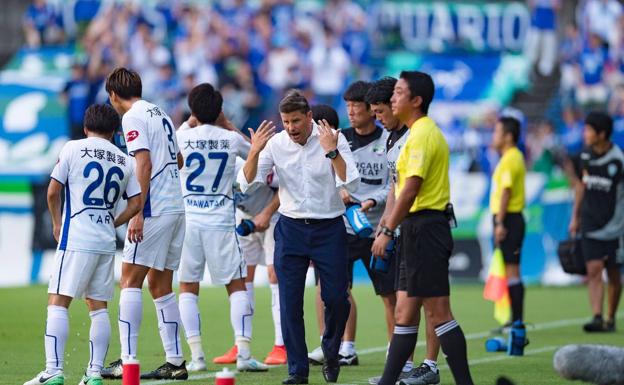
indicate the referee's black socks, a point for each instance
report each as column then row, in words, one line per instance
column 453, row 345
column 402, row 345
column 516, row 295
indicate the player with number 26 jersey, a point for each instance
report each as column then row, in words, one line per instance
column 94, row 174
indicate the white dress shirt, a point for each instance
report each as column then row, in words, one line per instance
column 308, row 184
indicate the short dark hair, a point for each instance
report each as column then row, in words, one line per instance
column 327, row 112
column 294, row 101
column 420, row 84
column 511, row 126
column 356, row 92
column 380, row 92
column 125, row 83
column 101, row 119
column 600, row 122
column 205, row 102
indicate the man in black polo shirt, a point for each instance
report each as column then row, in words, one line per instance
column 598, row 215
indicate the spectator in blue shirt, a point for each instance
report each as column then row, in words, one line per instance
column 541, row 41
column 592, row 92
column 76, row 96
column 42, row 25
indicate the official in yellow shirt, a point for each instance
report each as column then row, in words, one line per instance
column 506, row 204
column 422, row 195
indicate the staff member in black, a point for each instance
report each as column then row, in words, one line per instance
column 312, row 162
column 598, row 215
column 425, row 244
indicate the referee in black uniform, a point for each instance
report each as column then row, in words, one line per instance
column 425, row 244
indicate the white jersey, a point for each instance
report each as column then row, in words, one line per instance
column 95, row 174
column 209, row 173
column 147, row 127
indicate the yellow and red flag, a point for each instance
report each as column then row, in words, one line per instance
column 496, row 288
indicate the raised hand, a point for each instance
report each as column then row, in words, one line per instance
column 261, row 135
column 328, row 137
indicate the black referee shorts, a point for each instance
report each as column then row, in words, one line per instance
column 425, row 246
column 360, row 248
column 511, row 246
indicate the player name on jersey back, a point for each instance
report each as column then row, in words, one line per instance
column 147, row 127
column 209, row 172
column 95, row 174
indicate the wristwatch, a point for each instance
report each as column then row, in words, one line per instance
column 332, row 154
column 386, row 231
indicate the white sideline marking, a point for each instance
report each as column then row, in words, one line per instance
column 472, row 336
column 475, row 336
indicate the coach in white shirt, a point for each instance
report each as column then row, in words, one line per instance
column 312, row 162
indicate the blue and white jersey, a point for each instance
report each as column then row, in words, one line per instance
column 95, row 174
column 147, row 127
column 209, row 173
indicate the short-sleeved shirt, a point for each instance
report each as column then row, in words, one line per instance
column 509, row 173
column 95, row 175
column 425, row 155
column 602, row 208
column 147, row 127
column 209, row 173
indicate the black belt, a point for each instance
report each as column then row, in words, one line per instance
column 311, row 221
column 426, row 213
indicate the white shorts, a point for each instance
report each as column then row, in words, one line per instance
column 258, row 248
column 80, row 274
column 162, row 243
column 217, row 249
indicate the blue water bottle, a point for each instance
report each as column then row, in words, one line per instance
column 382, row 264
column 245, row 227
column 496, row 344
column 517, row 339
column 358, row 221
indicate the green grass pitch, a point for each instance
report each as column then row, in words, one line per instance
column 557, row 314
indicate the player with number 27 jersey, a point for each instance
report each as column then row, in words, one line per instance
column 94, row 174
column 208, row 174
column 147, row 127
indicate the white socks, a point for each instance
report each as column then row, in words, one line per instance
column 169, row 324
column 347, row 348
column 130, row 316
column 57, row 328
column 99, row 337
column 433, row 365
column 241, row 315
column 409, row 365
column 275, row 311
column 251, row 294
column 189, row 312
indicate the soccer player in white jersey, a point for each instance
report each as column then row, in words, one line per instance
column 158, row 228
column 209, row 154
column 259, row 205
column 94, row 174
